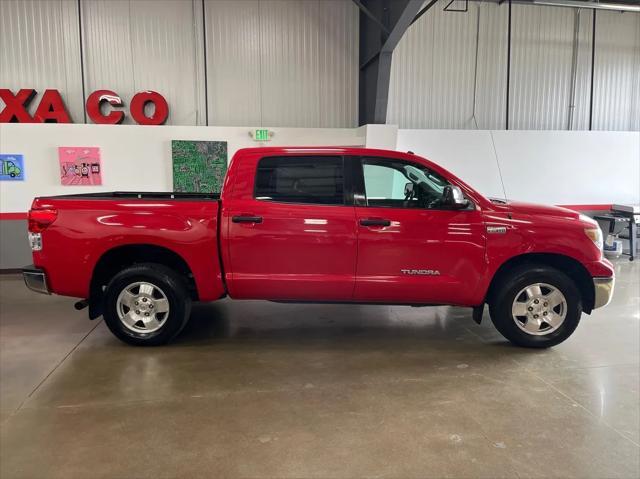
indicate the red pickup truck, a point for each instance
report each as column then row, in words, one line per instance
column 344, row 225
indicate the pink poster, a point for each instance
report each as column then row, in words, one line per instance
column 79, row 165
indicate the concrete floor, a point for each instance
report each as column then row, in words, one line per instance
column 256, row 389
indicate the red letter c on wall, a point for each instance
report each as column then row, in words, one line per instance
column 138, row 103
column 94, row 104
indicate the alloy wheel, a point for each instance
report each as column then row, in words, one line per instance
column 142, row 307
column 539, row 309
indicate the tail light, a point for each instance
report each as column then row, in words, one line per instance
column 39, row 219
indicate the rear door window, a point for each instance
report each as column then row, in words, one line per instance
column 301, row 179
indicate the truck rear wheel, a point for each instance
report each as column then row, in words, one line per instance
column 147, row 304
column 536, row 306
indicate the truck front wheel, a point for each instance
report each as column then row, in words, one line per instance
column 146, row 304
column 535, row 306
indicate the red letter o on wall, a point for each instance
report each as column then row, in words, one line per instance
column 138, row 103
column 95, row 101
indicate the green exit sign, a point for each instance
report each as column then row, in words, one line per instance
column 261, row 135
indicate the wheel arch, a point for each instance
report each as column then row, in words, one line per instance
column 568, row 265
column 116, row 259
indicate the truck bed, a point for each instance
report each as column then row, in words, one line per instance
column 141, row 195
column 89, row 225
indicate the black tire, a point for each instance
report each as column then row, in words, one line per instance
column 505, row 292
column 172, row 285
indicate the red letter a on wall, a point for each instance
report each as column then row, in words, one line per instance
column 51, row 109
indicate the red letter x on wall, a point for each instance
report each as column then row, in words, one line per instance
column 15, row 110
column 50, row 110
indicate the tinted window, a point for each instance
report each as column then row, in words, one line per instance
column 400, row 184
column 301, row 179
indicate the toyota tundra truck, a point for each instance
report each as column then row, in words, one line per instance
column 325, row 225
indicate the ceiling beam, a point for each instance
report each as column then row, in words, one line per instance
column 371, row 16
column 376, row 49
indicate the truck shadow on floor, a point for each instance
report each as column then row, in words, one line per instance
column 349, row 326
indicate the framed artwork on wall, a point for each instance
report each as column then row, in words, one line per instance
column 198, row 166
column 80, row 165
column 11, row 167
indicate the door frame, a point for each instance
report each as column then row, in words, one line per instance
column 248, row 175
column 355, row 163
column 359, row 194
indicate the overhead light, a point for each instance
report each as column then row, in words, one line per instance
column 618, row 7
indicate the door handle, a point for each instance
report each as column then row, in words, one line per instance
column 375, row 222
column 246, row 219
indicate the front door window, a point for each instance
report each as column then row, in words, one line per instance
column 398, row 184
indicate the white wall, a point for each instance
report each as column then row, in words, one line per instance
column 384, row 137
column 552, row 167
column 295, row 62
column 136, row 158
column 450, row 69
column 39, row 49
column 129, row 47
column 616, row 102
column 282, row 62
column 466, row 153
column 268, row 62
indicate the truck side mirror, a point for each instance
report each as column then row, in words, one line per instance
column 408, row 190
column 453, row 197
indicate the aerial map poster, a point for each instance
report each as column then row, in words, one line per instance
column 79, row 165
column 198, row 166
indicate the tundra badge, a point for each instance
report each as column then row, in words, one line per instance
column 421, row 272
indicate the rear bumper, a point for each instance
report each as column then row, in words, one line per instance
column 35, row 279
column 603, row 288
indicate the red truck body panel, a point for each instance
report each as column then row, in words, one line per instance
column 299, row 252
column 85, row 229
column 312, row 252
column 449, row 242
